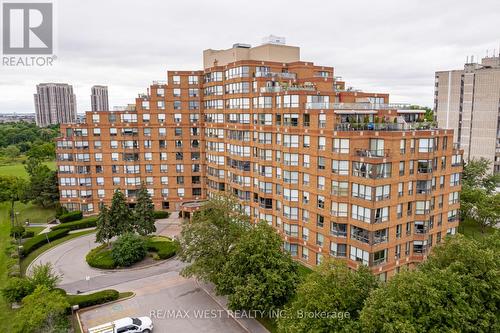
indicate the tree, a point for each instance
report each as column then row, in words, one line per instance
column 207, row 239
column 43, row 187
column 128, row 249
column 455, row 290
column 477, row 175
column 104, row 228
column 44, row 275
column 332, row 288
column 11, row 151
column 144, row 220
column 16, row 289
column 32, row 164
column 42, row 311
column 258, row 274
column 478, row 200
column 481, row 207
column 119, row 215
column 12, row 189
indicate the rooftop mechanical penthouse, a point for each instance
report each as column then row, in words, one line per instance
column 337, row 172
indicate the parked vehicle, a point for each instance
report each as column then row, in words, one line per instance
column 125, row 325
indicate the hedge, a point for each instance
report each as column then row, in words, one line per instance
column 34, row 243
column 165, row 249
column 100, row 257
column 88, row 222
column 28, row 234
column 160, row 214
column 71, row 216
column 96, row 298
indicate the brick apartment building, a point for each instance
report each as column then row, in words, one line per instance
column 337, row 172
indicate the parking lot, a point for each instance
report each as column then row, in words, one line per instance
column 174, row 303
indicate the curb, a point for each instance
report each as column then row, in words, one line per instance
column 38, row 256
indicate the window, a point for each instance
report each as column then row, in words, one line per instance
column 455, row 179
column 321, row 143
column 360, row 255
column 340, row 188
column 382, row 192
column 192, row 79
column 340, row 167
column 176, row 79
column 306, row 141
column 338, row 250
column 341, row 146
column 339, row 209
column 360, row 213
column 361, row 191
column 338, row 229
column 425, row 145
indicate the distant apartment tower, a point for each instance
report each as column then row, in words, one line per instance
column 99, row 98
column 468, row 101
column 54, row 103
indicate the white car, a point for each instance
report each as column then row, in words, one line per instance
column 125, row 325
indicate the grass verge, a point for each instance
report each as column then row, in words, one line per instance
column 6, row 313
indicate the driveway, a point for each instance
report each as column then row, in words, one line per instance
column 175, row 304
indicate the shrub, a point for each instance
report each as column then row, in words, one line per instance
column 17, row 231
column 160, row 214
column 44, row 275
column 34, row 243
column 101, row 257
column 128, row 249
column 88, row 222
column 99, row 297
column 16, row 289
column 163, row 248
column 71, row 216
column 28, row 234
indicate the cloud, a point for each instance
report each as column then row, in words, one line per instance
column 384, row 46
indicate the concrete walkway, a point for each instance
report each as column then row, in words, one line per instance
column 171, row 226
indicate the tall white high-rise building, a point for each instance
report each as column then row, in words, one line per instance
column 468, row 101
column 55, row 103
column 99, row 98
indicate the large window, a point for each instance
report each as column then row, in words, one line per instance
column 341, row 146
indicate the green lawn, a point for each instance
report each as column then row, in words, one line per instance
column 36, row 230
column 472, row 230
column 34, row 214
column 19, row 171
column 6, row 313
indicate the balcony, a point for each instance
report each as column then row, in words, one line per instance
column 358, row 106
column 386, row 126
column 287, row 76
column 372, row 153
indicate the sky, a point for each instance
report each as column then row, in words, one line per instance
column 386, row 46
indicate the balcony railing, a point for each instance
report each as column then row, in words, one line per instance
column 385, row 126
column 358, row 106
column 374, row 153
column 289, row 76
